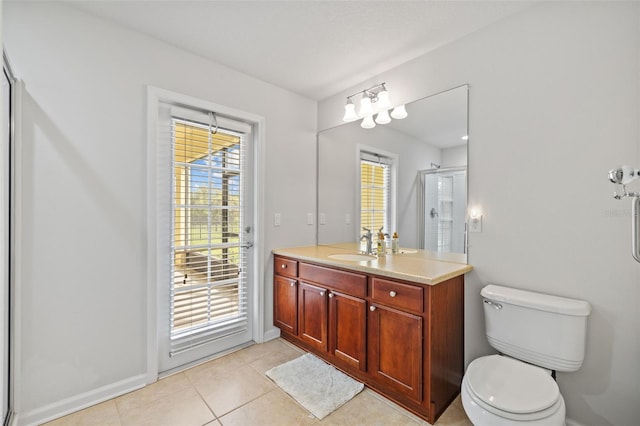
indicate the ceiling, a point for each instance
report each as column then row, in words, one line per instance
column 315, row 48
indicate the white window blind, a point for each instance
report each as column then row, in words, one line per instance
column 375, row 191
column 208, row 264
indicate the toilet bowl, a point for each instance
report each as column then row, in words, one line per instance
column 500, row 391
column 534, row 333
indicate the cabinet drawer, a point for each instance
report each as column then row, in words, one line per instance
column 286, row 267
column 350, row 283
column 397, row 295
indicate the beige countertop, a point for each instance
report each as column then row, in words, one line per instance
column 413, row 265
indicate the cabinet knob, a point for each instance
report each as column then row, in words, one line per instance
column 322, row 293
column 292, row 283
column 284, row 266
column 372, row 308
column 330, row 294
column 392, row 293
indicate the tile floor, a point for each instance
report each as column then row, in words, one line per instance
column 233, row 390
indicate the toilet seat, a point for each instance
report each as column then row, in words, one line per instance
column 512, row 389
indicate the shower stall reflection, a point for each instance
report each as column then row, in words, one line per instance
column 444, row 206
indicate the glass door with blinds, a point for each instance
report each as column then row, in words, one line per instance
column 209, row 293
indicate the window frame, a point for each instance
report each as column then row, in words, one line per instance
column 391, row 219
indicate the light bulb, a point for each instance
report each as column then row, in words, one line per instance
column 399, row 112
column 383, row 117
column 349, row 111
column 365, row 106
column 383, row 99
column 367, row 122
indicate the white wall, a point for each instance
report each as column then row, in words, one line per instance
column 454, row 157
column 83, row 305
column 554, row 104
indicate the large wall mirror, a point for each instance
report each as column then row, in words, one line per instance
column 418, row 171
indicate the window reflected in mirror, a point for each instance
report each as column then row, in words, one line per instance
column 431, row 140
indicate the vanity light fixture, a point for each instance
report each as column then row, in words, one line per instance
column 399, row 112
column 374, row 101
column 367, row 122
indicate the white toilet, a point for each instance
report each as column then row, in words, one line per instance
column 536, row 334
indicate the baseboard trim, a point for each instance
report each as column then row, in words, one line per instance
column 79, row 402
column 271, row 334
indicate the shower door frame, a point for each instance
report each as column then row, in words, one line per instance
column 422, row 202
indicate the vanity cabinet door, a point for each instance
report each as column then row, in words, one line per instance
column 285, row 307
column 395, row 350
column 347, row 329
column 312, row 315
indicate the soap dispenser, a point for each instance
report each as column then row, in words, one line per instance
column 394, row 243
column 381, row 244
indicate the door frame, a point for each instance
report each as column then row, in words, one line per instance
column 14, row 246
column 155, row 96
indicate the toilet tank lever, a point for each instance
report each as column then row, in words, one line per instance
column 497, row 306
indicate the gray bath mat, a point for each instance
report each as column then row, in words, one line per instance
column 316, row 385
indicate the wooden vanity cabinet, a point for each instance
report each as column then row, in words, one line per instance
column 333, row 310
column 321, row 308
column 396, row 334
column 285, row 295
column 404, row 340
column 395, row 350
column 347, row 330
column 312, row 315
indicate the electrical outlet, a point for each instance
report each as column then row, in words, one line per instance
column 277, row 219
column 309, row 218
column 323, row 219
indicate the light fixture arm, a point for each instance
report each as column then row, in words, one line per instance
column 371, row 92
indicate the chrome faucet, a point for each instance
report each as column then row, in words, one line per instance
column 367, row 236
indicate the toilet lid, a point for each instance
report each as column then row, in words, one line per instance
column 511, row 385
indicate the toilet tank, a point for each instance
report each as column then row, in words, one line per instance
column 548, row 331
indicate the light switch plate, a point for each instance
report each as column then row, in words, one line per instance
column 309, row 218
column 347, row 219
column 277, row 219
column 323, row 219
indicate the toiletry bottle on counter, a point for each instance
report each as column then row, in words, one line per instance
column 394, row 243
column 381, row 244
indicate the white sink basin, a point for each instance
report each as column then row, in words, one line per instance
column 354, row 257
